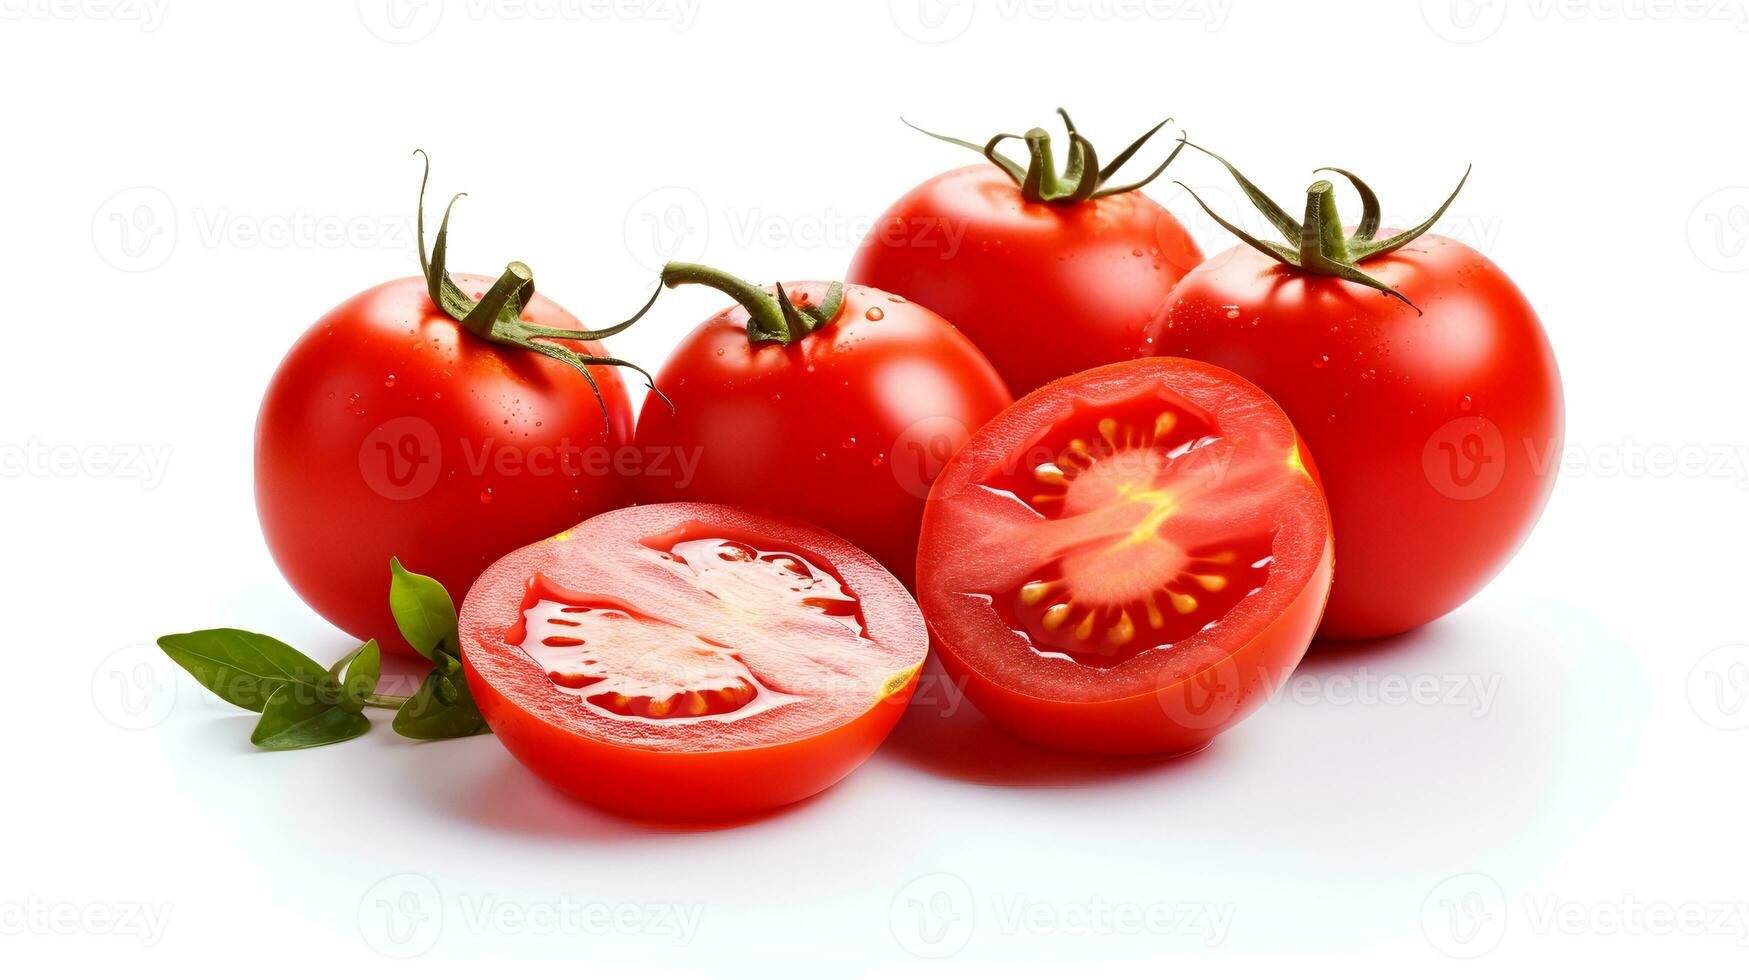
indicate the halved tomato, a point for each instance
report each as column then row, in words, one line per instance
column 1128, row 560
column 691, row 661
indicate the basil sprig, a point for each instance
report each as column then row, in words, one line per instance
column 443, row 707
column 303, row 705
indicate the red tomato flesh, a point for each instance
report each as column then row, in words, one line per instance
column 691, row 661
column 1127, row 560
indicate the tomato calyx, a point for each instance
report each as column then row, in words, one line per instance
column 496, row 317
column 1081, row 179
column 1323, row 249
column 770, row 318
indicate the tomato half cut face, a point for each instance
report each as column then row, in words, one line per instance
column 691, row 661
column 1127, row 560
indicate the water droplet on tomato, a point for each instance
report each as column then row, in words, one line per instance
column 486, row 495
column 1232, row 312
column 719, row 352
column 389, row 382
column 1464, row 403
column 877, row 459
column 1320, row 360
column 875, row 313
column 849, row 442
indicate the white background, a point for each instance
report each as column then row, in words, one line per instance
column 188, row 185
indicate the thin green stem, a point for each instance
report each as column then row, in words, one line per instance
column 762, row 307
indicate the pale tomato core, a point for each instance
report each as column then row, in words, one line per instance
column 632, row 662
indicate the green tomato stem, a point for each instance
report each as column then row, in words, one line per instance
column 770, row 315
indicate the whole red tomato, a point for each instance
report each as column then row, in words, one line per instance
column 1048, row 274
column 444, row 422
column 1435, row 429
column 835, row 404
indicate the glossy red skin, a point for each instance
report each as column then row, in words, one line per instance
column 709, row 780
column 845, row 429
column 324, row 489
column 1410, row 543
column 1044, row 290
column 1175, row 702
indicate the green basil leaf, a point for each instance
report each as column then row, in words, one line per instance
column 443, row 707
column 295, row 718
column 243, row 668
column 423, row 611
column 364, row 667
